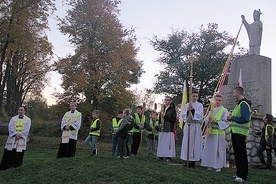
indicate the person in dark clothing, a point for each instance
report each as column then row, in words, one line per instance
column 265, row 142
column 140, row 120
column 122, row 132
column 239, row 126
column 166, row 140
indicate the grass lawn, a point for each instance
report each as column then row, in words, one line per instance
column 41, row 166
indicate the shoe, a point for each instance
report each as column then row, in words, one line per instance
column 95, row 151
column 235, row 176
column 210, row 169
column 168, row 161
column 239, row 180
column 217, row 170
column 125, row 157
column 118, row 157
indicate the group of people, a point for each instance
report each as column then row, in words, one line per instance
column 161, row 139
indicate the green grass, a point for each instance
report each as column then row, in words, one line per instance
column 41, row 166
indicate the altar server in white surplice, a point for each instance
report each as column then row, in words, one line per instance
column 195, row 109
column 214, row 151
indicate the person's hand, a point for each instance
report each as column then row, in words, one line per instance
column 229, row 118
column 17, row 136
column 267, row 147
column 67, row 128
column 243, row 17
column 190, row 106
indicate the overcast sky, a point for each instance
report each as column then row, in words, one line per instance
column 159, row 17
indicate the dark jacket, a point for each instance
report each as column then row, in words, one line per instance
column 263, row 142
column 169, row 119
column 126, row 125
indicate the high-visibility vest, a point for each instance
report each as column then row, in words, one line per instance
column 19, row 125
column 153, row 124
column 138, row 121
column 266, row 132
column 71, row 119
column 94, row 125
column 116, row 124
column 240, row 128
column 215, row 129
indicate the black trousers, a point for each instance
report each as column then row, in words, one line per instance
column 11, row 159
column 260, row 151
column 239, row 146
column 67, row 149
column 136, row 139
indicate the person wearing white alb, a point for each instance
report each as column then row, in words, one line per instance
column 214, row 151
column 194, row 111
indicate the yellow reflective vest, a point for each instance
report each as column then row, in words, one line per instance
column 238, row 128
column 215, row 129
column 94, row 125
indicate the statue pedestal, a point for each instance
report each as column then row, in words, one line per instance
column 256, row 81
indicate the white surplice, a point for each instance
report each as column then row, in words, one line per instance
column 195, row 139
column 214, row 151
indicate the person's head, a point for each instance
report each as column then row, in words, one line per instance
column 194, row 96
column 139, row 109
column 168, row 100
column 73, row 106
column 238, row 92
column 218, row 100
column 21, row 111
column 256, row 15
column 127, row 112
column 95, row 114
column 154, row 115
column 268, row 118
column 120, row 114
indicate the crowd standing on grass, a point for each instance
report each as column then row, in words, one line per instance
column 160, row 129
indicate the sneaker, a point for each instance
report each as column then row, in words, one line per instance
column 217, row 170
column 125, row 157
column 235, row 176
column 118, row 157
column 210, row 169
column 239, row 180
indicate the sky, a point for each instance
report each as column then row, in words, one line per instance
column 160, row 17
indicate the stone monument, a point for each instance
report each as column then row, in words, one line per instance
column 254, row 32
column 256, row 81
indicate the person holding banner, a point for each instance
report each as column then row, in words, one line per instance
column 193, row 115
column 19, row 127
column 70, row 125
column 166, row 140
column 214, row 151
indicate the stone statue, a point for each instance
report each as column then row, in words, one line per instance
column 254, row 32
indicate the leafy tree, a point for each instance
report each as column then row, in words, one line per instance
column 24, row 50
column 209, row 48
column 104, row 64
